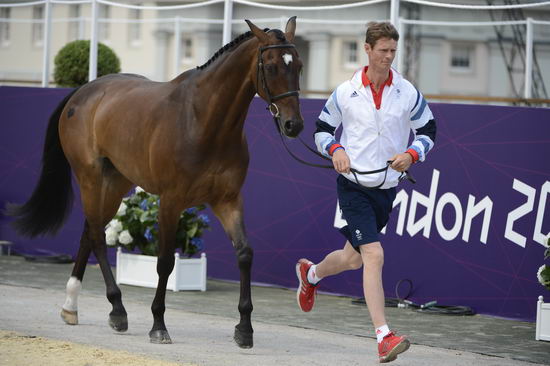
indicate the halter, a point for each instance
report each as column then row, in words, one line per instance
column 272, row 107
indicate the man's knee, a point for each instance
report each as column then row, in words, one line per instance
column 355, row 261
column 372, row 253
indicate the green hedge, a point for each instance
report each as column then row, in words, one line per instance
column 71, row 63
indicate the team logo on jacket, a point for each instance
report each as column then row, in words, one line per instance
column 354, row 94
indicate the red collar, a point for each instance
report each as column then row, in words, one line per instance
column 377, row 96
column 366, row 80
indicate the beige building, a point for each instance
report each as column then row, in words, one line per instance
column 472, row 60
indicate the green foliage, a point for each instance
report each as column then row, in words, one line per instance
column 136, row 226
column 543, row 273
column 71, row 63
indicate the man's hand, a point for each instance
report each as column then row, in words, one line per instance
column 401, row 162
column 340, row 160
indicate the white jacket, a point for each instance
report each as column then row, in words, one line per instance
column 370, row 136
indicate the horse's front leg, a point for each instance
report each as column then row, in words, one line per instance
column 168, row 224
column 231, row 216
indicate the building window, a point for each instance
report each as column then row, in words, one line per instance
column 350, row 54
column 461, row 57
column 5, row 14
column 75, row 22
column 38, row 25
column 134, row 27
column 104, row 22
column 186, row 49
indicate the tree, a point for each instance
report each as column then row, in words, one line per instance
column 71, row 63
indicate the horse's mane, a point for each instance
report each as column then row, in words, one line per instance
column 238, row 40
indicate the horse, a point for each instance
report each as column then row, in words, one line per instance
column 182, row 139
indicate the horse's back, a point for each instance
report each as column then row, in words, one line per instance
column 119, row 116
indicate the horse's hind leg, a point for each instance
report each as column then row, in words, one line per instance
column 102, row 189
column 69, row 311
column 230, row 215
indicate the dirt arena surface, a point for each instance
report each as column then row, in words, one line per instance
column 25, row 350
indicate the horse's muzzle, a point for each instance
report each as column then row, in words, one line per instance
column 293, row 127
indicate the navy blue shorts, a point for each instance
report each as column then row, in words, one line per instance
column 366, row 211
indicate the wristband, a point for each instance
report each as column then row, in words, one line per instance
column 413, row 154
column 334, row 147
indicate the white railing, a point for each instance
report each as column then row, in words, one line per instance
column 227, row 22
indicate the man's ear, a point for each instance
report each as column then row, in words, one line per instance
column 368, row 48
column 260, row 34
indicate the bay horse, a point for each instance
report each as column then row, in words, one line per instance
column 182, row 140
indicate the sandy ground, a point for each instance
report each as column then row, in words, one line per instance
column 26, row 350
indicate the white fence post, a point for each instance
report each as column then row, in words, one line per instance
column 177, row 45
column 394, row 12
column 92, row 70
column 282, row 22
column 528, row 59
column 227, row 18
column 47, row 44
column 400, row 45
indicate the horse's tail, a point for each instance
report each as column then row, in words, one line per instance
column 50, row 203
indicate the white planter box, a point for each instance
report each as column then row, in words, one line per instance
column 543, row 321
column 141, row 270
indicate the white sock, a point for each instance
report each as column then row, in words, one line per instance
column 312, row 275
column 381, row 332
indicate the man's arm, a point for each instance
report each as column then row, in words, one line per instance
column 424, row 128
column 325, row 140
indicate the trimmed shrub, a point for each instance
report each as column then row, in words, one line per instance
column 71, row 63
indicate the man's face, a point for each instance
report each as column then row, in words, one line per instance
column 382, row 54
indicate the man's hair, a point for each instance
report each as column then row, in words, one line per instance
column 377, row 30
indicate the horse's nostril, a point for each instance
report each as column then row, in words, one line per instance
column 289, row 125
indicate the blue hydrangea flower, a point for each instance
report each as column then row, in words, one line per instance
column 204, row 218
column 198, row 243
column 143, row 205
column 191, row 210
column 148, row 235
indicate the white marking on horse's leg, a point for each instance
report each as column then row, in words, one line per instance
column 73, row 290
column 69, row 311
column 287, row 58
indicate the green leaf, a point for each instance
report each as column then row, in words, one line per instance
column 192, row 230
column 145, row 216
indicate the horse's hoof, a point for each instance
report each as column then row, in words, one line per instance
column 160, row 337
column 119, row 322
column 243, row 339
column 69, row 317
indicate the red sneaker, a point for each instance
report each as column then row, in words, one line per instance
column 391, row 346
column 305, row 295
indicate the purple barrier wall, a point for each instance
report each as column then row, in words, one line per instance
column 468, row 233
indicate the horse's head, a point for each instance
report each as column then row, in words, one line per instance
column 277, row 78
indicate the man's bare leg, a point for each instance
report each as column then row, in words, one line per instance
column 339, row 261
column 373, row 261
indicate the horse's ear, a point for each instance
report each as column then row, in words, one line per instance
column 290, row 29
column 260, row 34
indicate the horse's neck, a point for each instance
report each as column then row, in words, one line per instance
column 231, row 84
